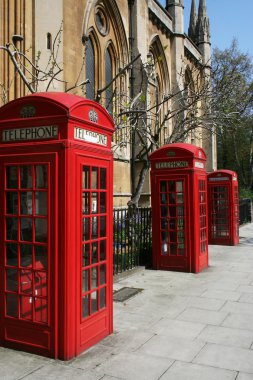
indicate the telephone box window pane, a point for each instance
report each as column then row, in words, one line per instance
column 26, row 177
column 41, row 177
column 102, row 226
column 172, row 211
column 86, row 255
column 164, row 211
column 11, row 229
column 102, row 298
column 85, row 280
column 103, row 178
column 26, row 229
column 86, row 203
column 172, row 198
column 102, row 203
column 102, row 274
column 12, row 305
column 26, row 203
column 164, row 248
column 26, row 255
column 40, row 284
column 94, row 302
column 94, row 222
column 12, row 279
column 40, row 203
column 163, row 199
column 163, row 186
column 179, row 186
column 94, row 203
column 12, row 177
column 94, row 178
column 172, row 185
column 26, row 281
column 102, row 250
column 180, row 198
column 41, row 310
column 86, row 306
column 94, row 248
column 12, row 254
column 85, row 177
column 86, row 229
column 94, row 278
column 11, row 202
column 180, row 211
column 26, row 304
column 40, row 257
column 41, row 230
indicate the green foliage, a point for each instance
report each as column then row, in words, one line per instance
column 245, row 193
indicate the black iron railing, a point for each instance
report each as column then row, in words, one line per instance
column 132, row 238
column 245, row 211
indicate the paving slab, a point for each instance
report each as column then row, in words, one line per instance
column 232, row 358
column 189, row 371
column 239, row 321
column 227, row 336
column 244, row 376
column 210, row 317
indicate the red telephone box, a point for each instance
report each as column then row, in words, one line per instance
column 179, row 208
column 55, row 224
column 223, row 208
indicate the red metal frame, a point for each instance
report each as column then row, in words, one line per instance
column 66, row 133
column 223, row 204
column 179, row 208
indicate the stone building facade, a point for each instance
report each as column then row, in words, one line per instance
column 95, row 40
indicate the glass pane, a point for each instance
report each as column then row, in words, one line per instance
column 41, row 176
column 172, row 198
column 171, row 185
column 163, row 198
column 85, row 306
column 86, row 229
column 86, row 255
column 40, row 284
column 11, row 228
column 26, row 284
column 85, row 280
column 41, row 230
column 163, row 186
column 26, row 304
column 102, row 274
column 94, row 302
column 11, row 202
column 85, row 177
column 179, row 186
column 41, row 310
column 94, row 203
column 94, row 222
column 102, row 203
column 102, row 298
column 12, row 177
column 94, row 178
column 102, row 250
column 26, row 255
column 173, row 249
column 11, row 254
column 102, row 226
column 94, row 278
column 85, row 203
column 103, row 178
column 40, row 257
column 12, row 305
column 94, row 252
column 40, row 203
column 26, row 203
column 164, row 211
column 180, row 198
column 11, row 279
column 26, row 177
column 90, row 69
column 26, row 229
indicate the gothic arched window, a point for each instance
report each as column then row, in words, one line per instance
column 108, row 79
column 90, row 69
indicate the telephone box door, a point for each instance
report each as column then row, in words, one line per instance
column 26, row 260
column 173, row 194
column 95, row 247
column 220, row 217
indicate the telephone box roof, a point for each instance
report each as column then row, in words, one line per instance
column 182, row 149
column 46, row 104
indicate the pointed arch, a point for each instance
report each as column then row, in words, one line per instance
column 92, row 57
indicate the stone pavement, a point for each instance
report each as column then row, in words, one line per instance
column 182, row 326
